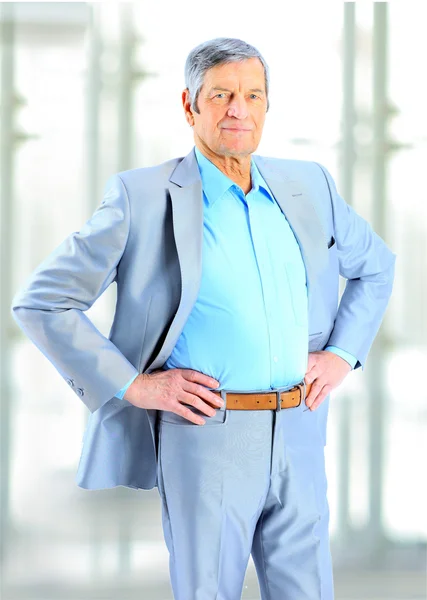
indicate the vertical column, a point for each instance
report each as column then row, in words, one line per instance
column 7, row 140
column 93, row 91
column 125, row 88
column 92, row 103
column 347, row 160
column 128, row 76
column 377, row 363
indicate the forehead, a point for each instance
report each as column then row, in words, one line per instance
column 249, row 73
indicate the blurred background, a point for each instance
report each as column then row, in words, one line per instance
column 89, row 89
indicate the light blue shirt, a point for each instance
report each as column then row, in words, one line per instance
column 249, row 325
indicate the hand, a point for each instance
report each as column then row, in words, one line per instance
column 325, row 370
column 167, row 390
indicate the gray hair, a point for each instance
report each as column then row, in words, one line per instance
column 215, row 52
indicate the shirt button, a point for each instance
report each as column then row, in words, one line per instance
column 275, row 358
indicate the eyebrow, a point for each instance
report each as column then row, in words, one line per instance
column 221, row 89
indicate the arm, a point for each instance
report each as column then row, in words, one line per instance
column 50, row 307
column 368, row 265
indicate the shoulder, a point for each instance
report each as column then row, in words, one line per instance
column 292, row 168
column 149, row 175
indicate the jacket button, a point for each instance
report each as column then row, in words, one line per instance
column 70, row 382
column 80, row 391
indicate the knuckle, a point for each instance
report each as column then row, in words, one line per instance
column 203, row 392
column 182, row 412
column 190, row 399
column 171, row 379
column 192, row 375
column 193, row 388
column 197, row 401
column 200, row 405
column 176, row 374
column 208, row 395
column 169, row 405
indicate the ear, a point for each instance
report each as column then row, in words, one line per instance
column 187, row 107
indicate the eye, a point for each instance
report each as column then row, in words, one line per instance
column 254, row 96
column 220, row 94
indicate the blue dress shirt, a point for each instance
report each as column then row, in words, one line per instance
column 249, row 325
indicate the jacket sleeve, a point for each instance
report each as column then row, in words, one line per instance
column 50, row 307
column 368, row 264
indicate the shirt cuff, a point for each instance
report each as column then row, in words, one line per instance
column 122, row 392
column 352, row 360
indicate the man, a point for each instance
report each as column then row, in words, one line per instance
column 227, row 339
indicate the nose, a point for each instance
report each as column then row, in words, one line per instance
column 237, row 107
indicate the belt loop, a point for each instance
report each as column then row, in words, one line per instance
column 224, row 397
column 278, row 401
column 304, row 387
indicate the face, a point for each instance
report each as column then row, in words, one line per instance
column 232, row 104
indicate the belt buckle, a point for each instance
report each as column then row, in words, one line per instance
column 278, row 391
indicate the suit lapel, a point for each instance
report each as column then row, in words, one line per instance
column 187, row 215
column 302, row 218
column 186, row 196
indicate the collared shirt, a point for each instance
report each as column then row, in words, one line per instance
column 249, row 325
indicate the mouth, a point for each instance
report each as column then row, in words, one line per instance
column 234, row 129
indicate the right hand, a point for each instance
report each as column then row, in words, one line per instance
column 166, row 390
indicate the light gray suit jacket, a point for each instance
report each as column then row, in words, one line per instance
column 147, row 236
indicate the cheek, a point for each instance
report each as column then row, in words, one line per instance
column 259, row 118
column 259, row 126
column 210, row 126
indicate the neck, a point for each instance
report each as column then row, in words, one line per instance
column 236, row 168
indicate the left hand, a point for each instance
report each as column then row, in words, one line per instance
column 325, row 370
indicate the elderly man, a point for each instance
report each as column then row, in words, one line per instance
column 228, row 337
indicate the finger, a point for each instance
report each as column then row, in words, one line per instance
column 194, row 400
column 188, row 414
column 198, row 377
column 312, row 360
column 312, row 374
column 185, row 412
column 202, row 392
column 320, row 397
column 314, row 391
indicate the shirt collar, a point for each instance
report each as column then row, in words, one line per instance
column 215, row 183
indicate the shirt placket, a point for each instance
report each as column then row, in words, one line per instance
column 266, row 275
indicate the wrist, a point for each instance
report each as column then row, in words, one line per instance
column 130, row 391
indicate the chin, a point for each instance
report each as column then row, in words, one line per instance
column 236, row 151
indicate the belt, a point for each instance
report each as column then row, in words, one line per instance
column 276, row 399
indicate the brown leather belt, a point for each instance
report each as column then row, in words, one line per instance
column 265, row 400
